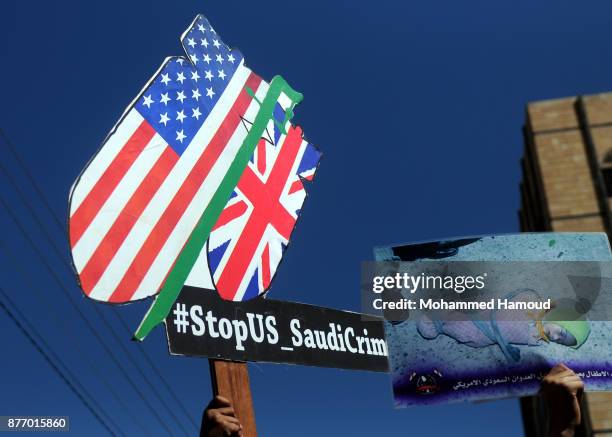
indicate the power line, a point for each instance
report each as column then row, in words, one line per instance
column 67, row 265
column 59, row 321
column 25, row 201
column 33, row 182
column 30, row 177
column 49, row 361
column 78, row 310
column 135, row 364
column 58, row 360
column 157, row 372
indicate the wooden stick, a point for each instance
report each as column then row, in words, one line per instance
column 230, row 379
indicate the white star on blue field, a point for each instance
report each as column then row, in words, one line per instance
column 417, row 108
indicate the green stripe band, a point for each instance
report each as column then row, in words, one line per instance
column 190, row 253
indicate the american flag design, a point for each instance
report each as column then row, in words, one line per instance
column 137, row 202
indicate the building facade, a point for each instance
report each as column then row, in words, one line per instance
column 567, row 186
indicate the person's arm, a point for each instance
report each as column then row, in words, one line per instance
column 219, row 419
column 562, row 391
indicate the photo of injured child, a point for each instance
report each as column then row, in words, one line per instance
column 545, row 327
column 457, row 355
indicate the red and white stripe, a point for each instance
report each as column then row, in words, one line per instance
column 137, row 202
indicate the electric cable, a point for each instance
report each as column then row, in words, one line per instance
column 59, row 362
column 57, row 370
column 59, row 321
column 33, row 182
column 87, row 322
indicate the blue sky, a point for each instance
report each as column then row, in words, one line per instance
column 417, row 107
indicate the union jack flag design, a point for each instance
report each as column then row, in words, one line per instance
column 247, row 242
column 171, row 198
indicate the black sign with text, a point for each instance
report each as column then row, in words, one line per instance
column 203, row 324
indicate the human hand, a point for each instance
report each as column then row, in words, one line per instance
column 219, row 419
column 562, row 391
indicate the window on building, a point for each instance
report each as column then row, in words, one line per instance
column 606, row 172
column 607, row 178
